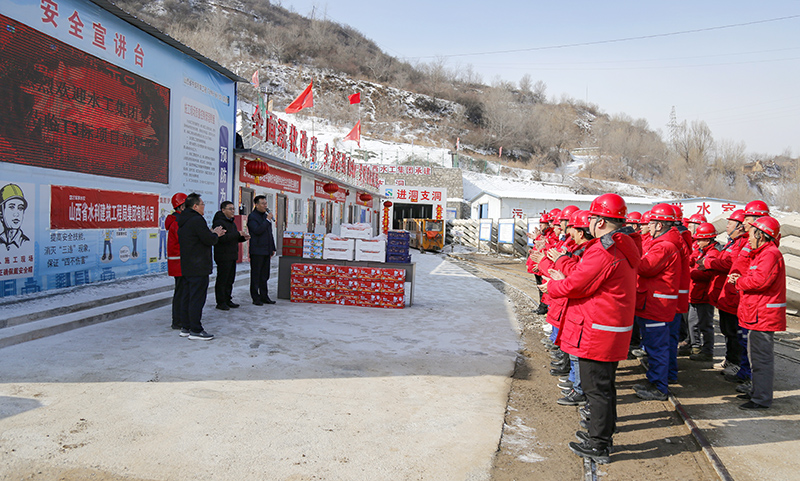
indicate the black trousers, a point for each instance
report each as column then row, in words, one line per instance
column 223, row 288
column 598, row 380
column 194, row 298
column 728, row 326
column 259, row 275
column 178, row 321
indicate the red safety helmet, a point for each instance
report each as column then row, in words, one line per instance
column 646, row 217
column 697, row 219
column 579, row 219
column 567, row 212
column 609, row 205
column 662, row 213
column 178, row 200
column 678, row 212
column 768, row 225
column 705, row 230
column 737, row 215
column 554, row 214
column 757, row 208
column 543, row 219
column 633, row 218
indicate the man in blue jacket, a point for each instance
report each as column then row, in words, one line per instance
column 262, row 248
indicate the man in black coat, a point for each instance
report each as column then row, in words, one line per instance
column 226, row 252
column 196, row 241
column 262, row 248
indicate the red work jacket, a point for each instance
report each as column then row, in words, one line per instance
column 598, row 319
column 173, row 246
column 702, row 279
column 728, row 298
column 659, row 279
column 762, row 289
column 566, row 264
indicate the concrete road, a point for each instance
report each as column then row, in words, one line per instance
column 286, row 392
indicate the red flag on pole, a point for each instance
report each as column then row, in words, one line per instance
column 355, row 134
column 305, row 99
column 355, row 98
column 255, row 79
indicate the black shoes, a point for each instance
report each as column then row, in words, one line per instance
column 583, row 437
column 751, row 406
column 573, row 399
column 586, row 450
column 269, row 301
column 258, row 303
column 649, row 392
column 201, row 336
column 223, row 307
column 232, row 304
column 560, row 371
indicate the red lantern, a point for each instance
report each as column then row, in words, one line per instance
column 257, row 168
column 330, row 188
column 387, row 204
column 365, row 197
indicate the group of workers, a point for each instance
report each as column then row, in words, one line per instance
column 615, row 283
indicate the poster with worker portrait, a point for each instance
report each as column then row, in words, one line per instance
column 17, row 241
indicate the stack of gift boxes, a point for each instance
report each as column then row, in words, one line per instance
column 292, row 244
column 397, row 247
column 348, row 285
column 313, row 245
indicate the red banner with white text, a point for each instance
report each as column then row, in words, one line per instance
column 79, row 208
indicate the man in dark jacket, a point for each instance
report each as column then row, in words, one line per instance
column 195, row 240
column 262, row 248
column 226, row 252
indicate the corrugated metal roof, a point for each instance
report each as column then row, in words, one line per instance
column 145, row 27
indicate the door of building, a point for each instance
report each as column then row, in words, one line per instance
column 280, row 221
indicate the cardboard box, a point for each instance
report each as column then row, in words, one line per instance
column 325, row 270
column 371, row 244
column 324, row 282
column 398, row 259
column 369, row 273
column 370, row 285
column 367, row 256
column 293, row 235
column 370, row 299
column 393, row 301
column 348, row 271
column 298, row 280
column 334, row 242
column 292, row 251
column 303, row 269
column 312, row 255
column 393, row 287
column 393, row 274
column 292, row 242
column 397, row 250
column 356, row 231
column 338, row 254
column 348, row 284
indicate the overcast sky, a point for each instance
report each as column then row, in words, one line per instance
column 742, row 79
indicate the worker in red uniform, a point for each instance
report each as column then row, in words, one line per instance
column 535, row 254
column 560, row 366
column 694, row 221
column 601, row 294
column 657, row 301
column 565, row 261
column 762, row 307
column 701, row 312
column 174, row 259
column 634, row 220
column 724, row 296
column 679, row 331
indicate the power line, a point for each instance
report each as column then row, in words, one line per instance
column 616, row 40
